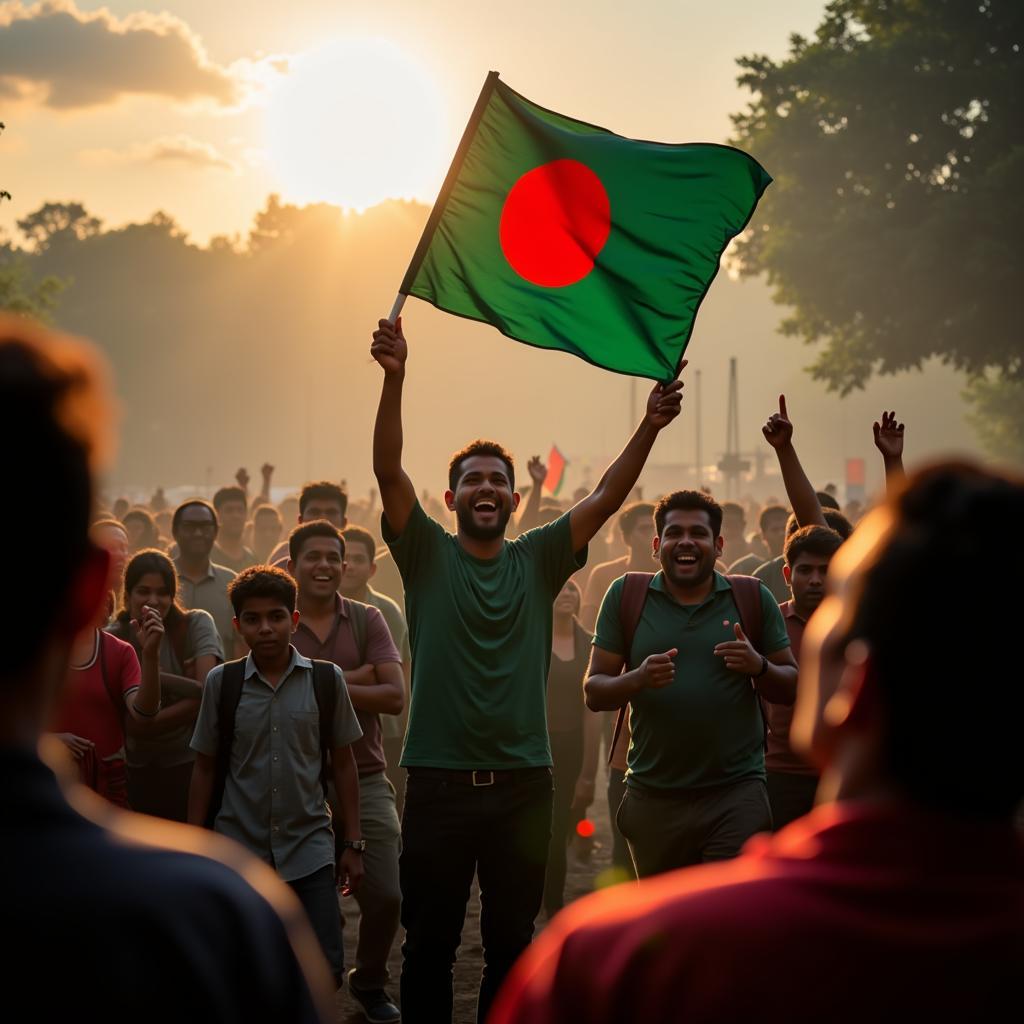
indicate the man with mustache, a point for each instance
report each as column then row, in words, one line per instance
column 479, row 794
column 695, row 786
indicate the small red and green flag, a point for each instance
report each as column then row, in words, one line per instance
column 566, row 236
column 557, row 463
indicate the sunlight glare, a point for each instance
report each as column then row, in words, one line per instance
column 354, row 122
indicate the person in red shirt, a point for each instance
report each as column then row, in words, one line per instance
column 792, row 782
column 107, row 692
column 901, row 897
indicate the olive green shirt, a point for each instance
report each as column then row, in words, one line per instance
column 705, row 728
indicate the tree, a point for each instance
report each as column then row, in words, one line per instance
column 55, row 222
column 893, row 228
column 996, row 415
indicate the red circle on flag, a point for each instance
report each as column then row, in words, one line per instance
column 555, row 221
column 585, row 827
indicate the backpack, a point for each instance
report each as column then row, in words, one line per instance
column 231, row 693
column 746, row 594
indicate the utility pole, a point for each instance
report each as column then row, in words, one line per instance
column 732, row 465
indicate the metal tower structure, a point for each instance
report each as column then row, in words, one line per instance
column 732, row 465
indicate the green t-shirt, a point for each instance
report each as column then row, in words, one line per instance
column 481, row 643
column 704, row 728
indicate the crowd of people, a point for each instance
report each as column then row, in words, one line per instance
column 391, row 697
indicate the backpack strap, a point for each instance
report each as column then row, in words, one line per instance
column 230, row 694
column 634, row 596
column 326, row 692
column 746, row 593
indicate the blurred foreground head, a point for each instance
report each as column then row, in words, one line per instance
column 909, row 676
column 55, row 414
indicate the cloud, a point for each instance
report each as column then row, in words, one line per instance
column 180, row 149
column 68, row 58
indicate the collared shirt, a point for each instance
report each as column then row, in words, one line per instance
column 210, row 593
column 236, row 565
column 341, row 648
column 704, row 728
column 771, row 575
column 779, row 756
column 273, row 799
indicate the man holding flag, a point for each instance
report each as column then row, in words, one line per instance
column 479, row 792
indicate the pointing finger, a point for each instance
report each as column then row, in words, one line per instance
column 782, row 407
column 738, row 630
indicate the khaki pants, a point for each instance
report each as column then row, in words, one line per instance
column 379, row 895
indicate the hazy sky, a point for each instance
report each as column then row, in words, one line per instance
column 202, row 109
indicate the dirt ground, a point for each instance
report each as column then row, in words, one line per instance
column 580, row 880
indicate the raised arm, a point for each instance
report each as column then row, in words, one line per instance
column 778, row 432
column 267, row 472
column 530, row 515
column 889, row 441
column 587, row 517
column 397, row 494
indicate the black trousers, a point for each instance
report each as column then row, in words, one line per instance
column 567, row 755
column 791, row 796
column 452, row 830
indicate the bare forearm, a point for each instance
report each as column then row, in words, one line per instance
column 147, row 698
column 181, row 687
column 387, row 431
column 182, row 712
column 346, row 785
column 799, row 489
column 608, row 693
column 530, row 516
column 894, row 471
column 376, row 698
column 778, row 684
column 621, row 476
column 200, row 791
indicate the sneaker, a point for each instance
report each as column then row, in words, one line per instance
column 377, row 1006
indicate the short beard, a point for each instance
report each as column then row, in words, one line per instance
column 694, row 583
column 470, row 529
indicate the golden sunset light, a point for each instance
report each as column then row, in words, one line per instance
column 354, row 122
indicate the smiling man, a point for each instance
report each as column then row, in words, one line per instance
column 695, row 785
column 479, row 795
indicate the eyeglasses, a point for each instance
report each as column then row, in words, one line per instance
column 196, row 527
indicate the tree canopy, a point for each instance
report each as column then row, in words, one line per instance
column 893, row 229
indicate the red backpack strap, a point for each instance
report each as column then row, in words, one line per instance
column 634, row 596
column 746, row 592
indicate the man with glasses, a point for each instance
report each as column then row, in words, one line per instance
column 203, row 584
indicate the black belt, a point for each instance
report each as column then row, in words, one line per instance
column 480, row 776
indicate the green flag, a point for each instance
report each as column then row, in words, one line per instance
column 565, row 236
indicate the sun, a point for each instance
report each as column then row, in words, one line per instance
column 354, row 122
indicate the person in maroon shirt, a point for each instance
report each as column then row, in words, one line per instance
column 901, row 897
column 792, row 782
column 356, row 638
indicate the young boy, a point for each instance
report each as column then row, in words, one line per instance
column 273, row 799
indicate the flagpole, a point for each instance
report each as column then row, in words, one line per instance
column 442, row 197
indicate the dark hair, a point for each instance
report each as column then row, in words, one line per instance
column 695, row 501
column 833, row 518
column 261, row 581
column 838, row 522
column 357, row 535
column 480, row 447
column 733, row 508
column 812, row 540
column 228, row 494
column 142, row 564
column 54, row 413
column 826, row 500
column 108, row 521
column 767, row 512
column 946, row 515
column 631, row 514
column 188, row 504
column 323, row 490
column 150, row 533
column 317, row 528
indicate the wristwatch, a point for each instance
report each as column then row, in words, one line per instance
column 359, row 845
column 764, row 667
